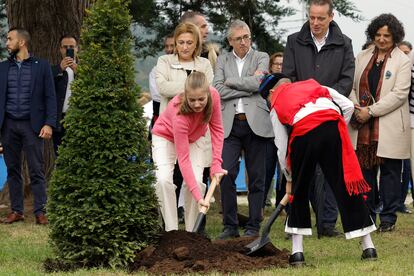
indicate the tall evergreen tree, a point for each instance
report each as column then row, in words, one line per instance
column 102, row 206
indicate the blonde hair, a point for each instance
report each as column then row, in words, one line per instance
column 196, row 80
column 188, row 27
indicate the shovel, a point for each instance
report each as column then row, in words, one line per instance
column 203, row 211
column 260, row 242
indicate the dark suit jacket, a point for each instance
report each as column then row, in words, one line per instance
column 43, row 99
column 333, row 65
column 61, row 82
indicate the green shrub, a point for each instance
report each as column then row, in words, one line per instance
column 102, row 205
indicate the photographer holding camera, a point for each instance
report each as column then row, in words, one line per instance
column 64, row 74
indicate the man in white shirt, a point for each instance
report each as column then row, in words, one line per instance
column 247, row 126
column 64, row 74
column 321, row 51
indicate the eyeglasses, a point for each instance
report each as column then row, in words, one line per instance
column 68, row 46
column 245, row 38
column 277, row 63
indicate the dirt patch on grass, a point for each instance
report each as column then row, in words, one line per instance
column 182, row 252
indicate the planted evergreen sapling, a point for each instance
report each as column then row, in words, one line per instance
column 102, row 205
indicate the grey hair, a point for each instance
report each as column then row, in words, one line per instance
column 236, row 24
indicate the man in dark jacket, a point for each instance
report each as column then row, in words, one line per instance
column 27, row 116
column 322, row 52
column 63, row 75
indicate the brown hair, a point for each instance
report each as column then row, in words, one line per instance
column 322, row 3
column 196, row 80
column 272, row 57
column 190, row 16
column 188, row 27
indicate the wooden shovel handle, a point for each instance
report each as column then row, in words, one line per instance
column 210, row 192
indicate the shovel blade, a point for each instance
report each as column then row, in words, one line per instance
column 199, row 221
column 257, row 244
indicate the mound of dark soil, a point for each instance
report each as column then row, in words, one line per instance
column 183, row 252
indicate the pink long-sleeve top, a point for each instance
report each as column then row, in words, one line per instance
column 186, row 129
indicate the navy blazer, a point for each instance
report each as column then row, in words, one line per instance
column 43, row 99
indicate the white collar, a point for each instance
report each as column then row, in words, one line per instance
column 323, row 39
column 245, row 56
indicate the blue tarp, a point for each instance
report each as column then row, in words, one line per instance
column 3, row 172
column 241, row 178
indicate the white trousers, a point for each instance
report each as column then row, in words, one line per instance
column 164, row 156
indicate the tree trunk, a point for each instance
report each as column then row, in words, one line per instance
column 46, row 21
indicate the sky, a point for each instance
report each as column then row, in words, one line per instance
column 402, row 9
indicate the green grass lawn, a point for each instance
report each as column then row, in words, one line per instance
column 24, row 246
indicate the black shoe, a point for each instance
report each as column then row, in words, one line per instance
column 297, row 259
column 369, row 254
column 386, row 227
column 329, row 232
column 180, row 213
column 405, row 210
column 251, row 233
column 229, row 233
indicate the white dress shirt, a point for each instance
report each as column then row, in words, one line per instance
column 71, row 77
column 320, row 43
column 240, row 63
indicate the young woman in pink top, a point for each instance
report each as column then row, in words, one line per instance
column 176, row 136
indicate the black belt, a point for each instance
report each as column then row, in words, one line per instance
column 240, row 117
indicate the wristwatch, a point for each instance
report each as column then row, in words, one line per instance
column 370, row 112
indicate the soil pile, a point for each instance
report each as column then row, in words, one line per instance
column 184, row 252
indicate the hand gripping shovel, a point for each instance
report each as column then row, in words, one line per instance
column 204, row 210
column 264, row 239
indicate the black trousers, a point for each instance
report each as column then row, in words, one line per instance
column 405, row 181
column 18, row 136
column 323, row 201
column 58, row 136
column 323, row 145
column 271, row 163
column 243, row 138
column 389, row 189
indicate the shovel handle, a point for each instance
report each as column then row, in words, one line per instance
column 210, row 193
column 282, row 204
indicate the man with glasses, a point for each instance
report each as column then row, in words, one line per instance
column 322, row 52
column 247, row 126
column 64, row 74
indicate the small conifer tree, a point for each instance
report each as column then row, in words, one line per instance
column 102, row 205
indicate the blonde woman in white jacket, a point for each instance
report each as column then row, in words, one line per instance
column 172, row 70
column 171, row 74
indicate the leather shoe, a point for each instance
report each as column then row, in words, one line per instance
column 329, row 232
column 386, row 227
column 41, row 219
column 369, row 254
column 297, row 259
column 251, row 233
column 229, row 233
column 405, row 210
column 13, row 217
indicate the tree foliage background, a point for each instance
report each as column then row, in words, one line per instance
column 102, row 205
column 3, row 29
column 159, row 17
